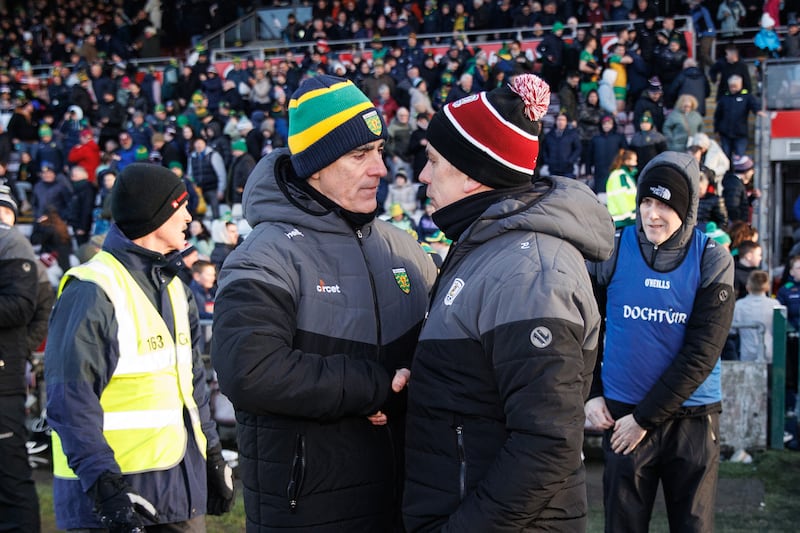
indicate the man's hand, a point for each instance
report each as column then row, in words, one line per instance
column 401, row 378
column 220, row 483
column 399, row 382
column 597, row 413
column 120, row 509
column 627, row 435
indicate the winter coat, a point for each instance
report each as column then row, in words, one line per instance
column 88, row 156
column 240, row 170
column 679, row 127
column 495, row 416
column 312, row 318
column 18, row 294
column 692, row 81
column 647, row 145
column 708, row 324
column 84, row 336
column 731, row 114
column 605, row 90
column 711, row 208
column 81, row 206
column 561, row 151
column 734, row 192
column 602, row 151
column 656, row 109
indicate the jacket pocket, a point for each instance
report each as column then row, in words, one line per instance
column 297, row 472
column 462, row 462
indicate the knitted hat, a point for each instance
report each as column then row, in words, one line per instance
column 647, row 117
column 767, row 21
column 160, row 107
column 558, row 26
column 239, row 144
column 144, row 197
column 667, row 184
column 45, row 131
column 141, row 152
column 47, row 165
column 7, row 201
column 715, row 233
column 329, row 117
column 175, row 164
column 742, row 163
column 87, row 132
column 493, row 137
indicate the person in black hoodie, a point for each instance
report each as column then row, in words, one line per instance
column 81, row 205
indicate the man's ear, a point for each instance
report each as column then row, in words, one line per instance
column 472, row 186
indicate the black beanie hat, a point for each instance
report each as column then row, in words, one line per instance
column 494, row 137
column 144, row 196
column 667, row 184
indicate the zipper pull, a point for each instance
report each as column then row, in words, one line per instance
column 359, row 234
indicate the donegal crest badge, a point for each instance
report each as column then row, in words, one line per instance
column 373, row 122
column 401, row 277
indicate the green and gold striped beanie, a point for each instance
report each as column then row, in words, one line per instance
column 329, row 117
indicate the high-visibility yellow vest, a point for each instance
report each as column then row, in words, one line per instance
column 144, row 402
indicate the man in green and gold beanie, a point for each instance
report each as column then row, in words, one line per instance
column 315, row 321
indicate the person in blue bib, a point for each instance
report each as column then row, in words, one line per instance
column 667, row 296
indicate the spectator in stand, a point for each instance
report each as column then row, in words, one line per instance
column 81, row 205
column 604, row 148
column 757, row 308
column 705, row 31
column 207, row 169
column 49, row 149
column 560, row 150
column 618, row 61
column 747, row 260
column 766, row 40
column 51, row 233
column 589, row 65
column 86, row 155
column 605, row 91
column 711, row 206
column 734, row 189
column 569, row 96
column 791, row 41
column 23, row 128
column 203, row 286
column 621, row 189
column 243, row 164
column 125, row 154
column 669, row 63
column 551, row 54
column 652, row 101
column 729, row 13
column 200, row 238
column 385, row 103
column 402, row 193
column 397, row 145
column 226, row 238
column 111, row 117
column 589, row 117
column 731, row 117
column 727, row 66
column 692, row 80
column 711, row 156
column 648, row 142
column 682, row 123
column 52, row 190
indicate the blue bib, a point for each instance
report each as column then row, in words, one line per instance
column 646, row 317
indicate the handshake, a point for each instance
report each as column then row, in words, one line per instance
column 401, row 378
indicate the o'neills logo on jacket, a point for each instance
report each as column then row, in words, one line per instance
column 322, row 287
column 650, row 314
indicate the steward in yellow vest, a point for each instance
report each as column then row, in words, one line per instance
column 133, row 440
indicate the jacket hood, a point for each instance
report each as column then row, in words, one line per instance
column 688, row 167
column 271, row 196
column 561, row 207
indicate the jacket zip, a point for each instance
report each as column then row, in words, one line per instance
column 297, row 472
column 360, row 237
column 462, row 463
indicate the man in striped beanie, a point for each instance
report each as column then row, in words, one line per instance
column 505, row 358
column 315, row 322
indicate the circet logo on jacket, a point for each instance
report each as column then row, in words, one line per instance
column 453, row 291
column 331, row 289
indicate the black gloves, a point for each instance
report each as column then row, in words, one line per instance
column 220, row 483
column 120, row 509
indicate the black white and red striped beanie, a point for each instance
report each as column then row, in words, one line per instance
column 493, row 137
